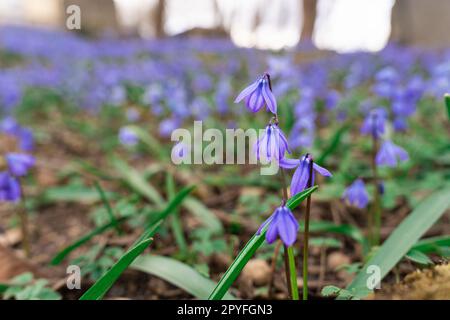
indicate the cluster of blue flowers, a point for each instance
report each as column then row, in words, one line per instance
column 17, row 164
column 272, row 147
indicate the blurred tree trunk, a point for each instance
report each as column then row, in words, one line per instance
column 309, row 19
column 97, row 16
column 422, row 23
column 159, row 14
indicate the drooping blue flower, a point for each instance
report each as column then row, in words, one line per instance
column 356, row 194
column 128, row 137
column 390, row 154
column 26, row 139
column 283, row 225
column 19, row 163
column 272, row 146
column 300, row 178
column 9, row 187
column 257, row 94
column 375, row 123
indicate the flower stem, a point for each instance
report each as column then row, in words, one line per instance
column 289, row 262
column 292, row 272
column 306, row 235
column 375, row 215
column 273, row 267
column 23, row 217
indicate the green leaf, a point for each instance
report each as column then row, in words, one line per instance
column 402, row 239
column 100, row 287
column 74, row 193
column 330, row 291
column 137, row 182
column 177, row 273
column 250, row 248
column 418, row 257
column 432, row 245
column 334, row 144
column 63, row 253
column 447, row 103
column 107, row 206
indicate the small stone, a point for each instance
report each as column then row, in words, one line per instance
column 258, row 271
column 337, row 259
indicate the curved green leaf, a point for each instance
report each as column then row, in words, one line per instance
column 250, row 248
column 402, row 240
column 177, row 273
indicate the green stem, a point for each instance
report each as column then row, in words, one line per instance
column 375, row 219
column 175, row 218
column 306, row 235
column 292, row 272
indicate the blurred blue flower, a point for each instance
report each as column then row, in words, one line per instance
column 257, row 94
column 390, row 154
column 283, row 225
column 128, row 137
column 9, row 187
column 356, row 194
column 374, row 123
column 19, row 163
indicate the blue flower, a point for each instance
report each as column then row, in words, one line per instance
column 282, row 224
column 272, row 145
column 257, row 94
column 128, row 137
column 19, row 163
column 374, row 123
column 390, row 154
column 9, row 187
column 300, row 178
column 356, row 194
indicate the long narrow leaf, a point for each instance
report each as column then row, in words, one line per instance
column 99, row 288
column 401, row 240
column 63, row 253
column 137, row 182
column 177, row 273
column 250, row 248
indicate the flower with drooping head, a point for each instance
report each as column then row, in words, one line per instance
column 283, row 225
column 257, row 94
column 9, row 187
column 128, row 137
column 19, row 163
column 390, row 154
column 356, row 194
column 300, row 178
column 375, row 122
column 272, row 145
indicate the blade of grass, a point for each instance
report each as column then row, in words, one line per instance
column 250, row 248
column 177, row 273
column 334, row 144
column 431, row 245
column 63, row 253
column 136, row 181
column 206, row 216
column 100, row 287
column 175, row 218
column 107, row 206
column 402, row 240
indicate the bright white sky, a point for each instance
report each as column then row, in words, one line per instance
column 342, row 25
